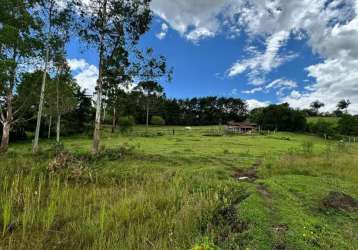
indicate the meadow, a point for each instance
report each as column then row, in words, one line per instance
column 172, row 188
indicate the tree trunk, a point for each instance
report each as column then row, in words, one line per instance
column 42, row 97
column 58, row 128
column 7, row 123
column 97, row 124
column 104, row 113
column 114, row 120
column 147, row 118
column 5, row 137
column 58, row 122
column 49, row 128
column 8, row 120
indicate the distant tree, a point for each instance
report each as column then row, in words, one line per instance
column 106, row 26
column 322, row 128
column 126, row 123
column 279, row 117
column 343, row 105
column 61, row 97
column 157, row 120
column 316, row 106
column 150, row 90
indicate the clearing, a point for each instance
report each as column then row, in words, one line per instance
column 156, row 190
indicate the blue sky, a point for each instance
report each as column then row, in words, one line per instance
column 268, row 52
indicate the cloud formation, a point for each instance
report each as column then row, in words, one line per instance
column 163, row 32
column 86, row 74
column 330, row 28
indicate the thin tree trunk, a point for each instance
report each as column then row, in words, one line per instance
column 49, row 128
column 114, row 120
column 42, row 97
column 97, row 124
column 58, row 128
column 104, row 113
column 147, row 119
column 58, row 122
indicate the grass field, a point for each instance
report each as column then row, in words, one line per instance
column 187, row 190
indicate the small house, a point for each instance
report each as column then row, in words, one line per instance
column 241, row 127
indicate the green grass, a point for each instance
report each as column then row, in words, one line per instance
column 178, row 192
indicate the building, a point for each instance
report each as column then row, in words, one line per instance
column 241, row 127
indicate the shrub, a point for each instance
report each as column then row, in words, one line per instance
column 322, row 128
column 348, row 125
column 126, row 124
column 157, row 120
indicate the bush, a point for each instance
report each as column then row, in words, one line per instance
column 348, row 125
column 126, row 124
column 157, row 120
column 322, row 128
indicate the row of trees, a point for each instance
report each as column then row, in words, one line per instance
column 142, row 105
column 33, row 37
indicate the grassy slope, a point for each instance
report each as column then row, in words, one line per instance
column 176, row 190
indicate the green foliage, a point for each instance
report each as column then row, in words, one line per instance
column 205, row 244
column 126, row 124
column 348, row 125
column 157, row 120
column 279, row 117
column 322, row 128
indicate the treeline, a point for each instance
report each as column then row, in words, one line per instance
column 346, row 125
column 195, row 111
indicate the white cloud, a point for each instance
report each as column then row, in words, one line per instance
column 330, row 27
column 336, row 79
column 163, row 33
column 260, row 63
column 252, row 91
column 193, row 19
column 253, row 103
column 280, row 85
column 86, row 74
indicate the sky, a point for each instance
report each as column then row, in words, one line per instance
column 263, row 51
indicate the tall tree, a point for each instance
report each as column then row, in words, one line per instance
column 60, row 97
column 343, row 105
column 18, row 44
column 107, row 25
column 55, row 17
column 117, row 80
column 150, row 90
column 151, row 69
column 316, row 105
